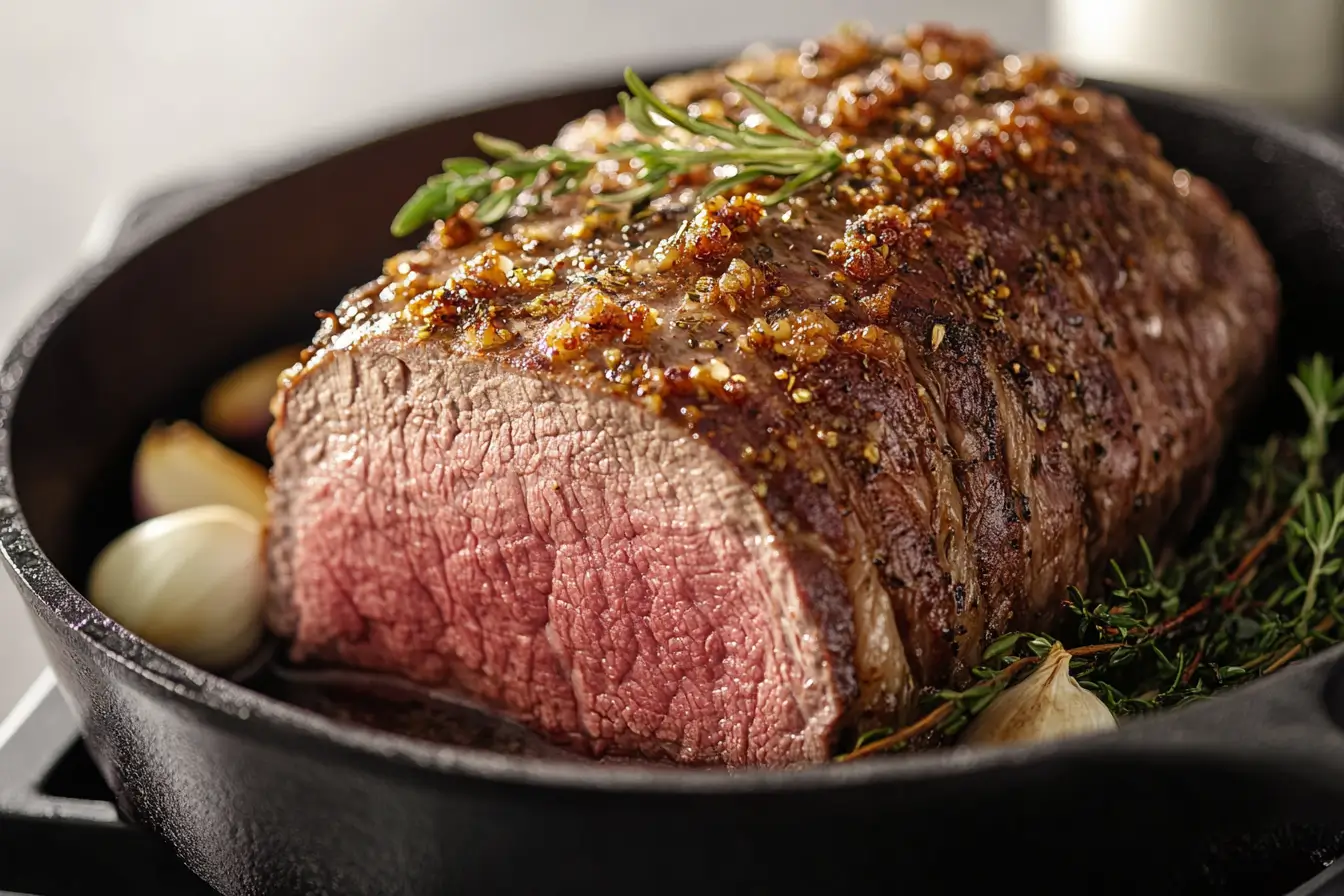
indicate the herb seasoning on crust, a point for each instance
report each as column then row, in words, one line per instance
column 729, row 424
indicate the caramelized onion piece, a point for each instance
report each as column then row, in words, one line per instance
column 238, row 405
column 178, row 467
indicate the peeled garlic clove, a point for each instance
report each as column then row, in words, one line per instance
column 179, row 466
column 192, row 583
column 238, row 406
column 1047, row 705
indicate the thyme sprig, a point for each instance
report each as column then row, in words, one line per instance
column 1264, row 587
column 1322, row 396
column 522, row 178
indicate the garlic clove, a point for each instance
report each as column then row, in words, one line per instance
column 238, row 405
column 178, row 467
column 191, row 582
column 1046, row 705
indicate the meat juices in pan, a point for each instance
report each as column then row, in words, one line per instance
column 711, row 481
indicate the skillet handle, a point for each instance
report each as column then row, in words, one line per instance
column 124, row 221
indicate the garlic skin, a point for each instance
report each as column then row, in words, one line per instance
column 191, row 582
column 179, row 466
column 1046, row 705
column 238, row 405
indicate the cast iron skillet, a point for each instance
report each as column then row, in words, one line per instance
column 258, row 796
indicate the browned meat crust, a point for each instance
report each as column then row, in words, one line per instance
column 1003, row 343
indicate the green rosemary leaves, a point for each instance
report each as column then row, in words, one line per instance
column 521, row 178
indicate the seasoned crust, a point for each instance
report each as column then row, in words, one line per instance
column 1006, row 340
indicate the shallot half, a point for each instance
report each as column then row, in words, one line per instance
column 191, row 582
column 179, row 466
column 238, row 405
column 1047, row 705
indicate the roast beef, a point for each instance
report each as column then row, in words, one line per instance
column 716, row 482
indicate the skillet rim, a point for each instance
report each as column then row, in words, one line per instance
column 59, row 604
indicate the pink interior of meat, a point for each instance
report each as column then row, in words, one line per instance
column 521, row 543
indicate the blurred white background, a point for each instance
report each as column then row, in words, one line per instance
column 107, row 99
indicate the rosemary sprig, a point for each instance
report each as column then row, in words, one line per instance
column 522, row 178
column 1264, row 587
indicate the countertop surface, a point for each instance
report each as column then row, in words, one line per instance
column 104, row 101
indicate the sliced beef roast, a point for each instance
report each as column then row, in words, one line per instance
column 711, row 481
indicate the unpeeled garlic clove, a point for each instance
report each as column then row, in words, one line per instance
column 191, row 582
column 179, row 466
column 1046, row 705
column 238, row 405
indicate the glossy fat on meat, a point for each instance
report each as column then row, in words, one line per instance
column 715, row 482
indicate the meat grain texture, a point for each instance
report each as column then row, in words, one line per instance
column 714, row 482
